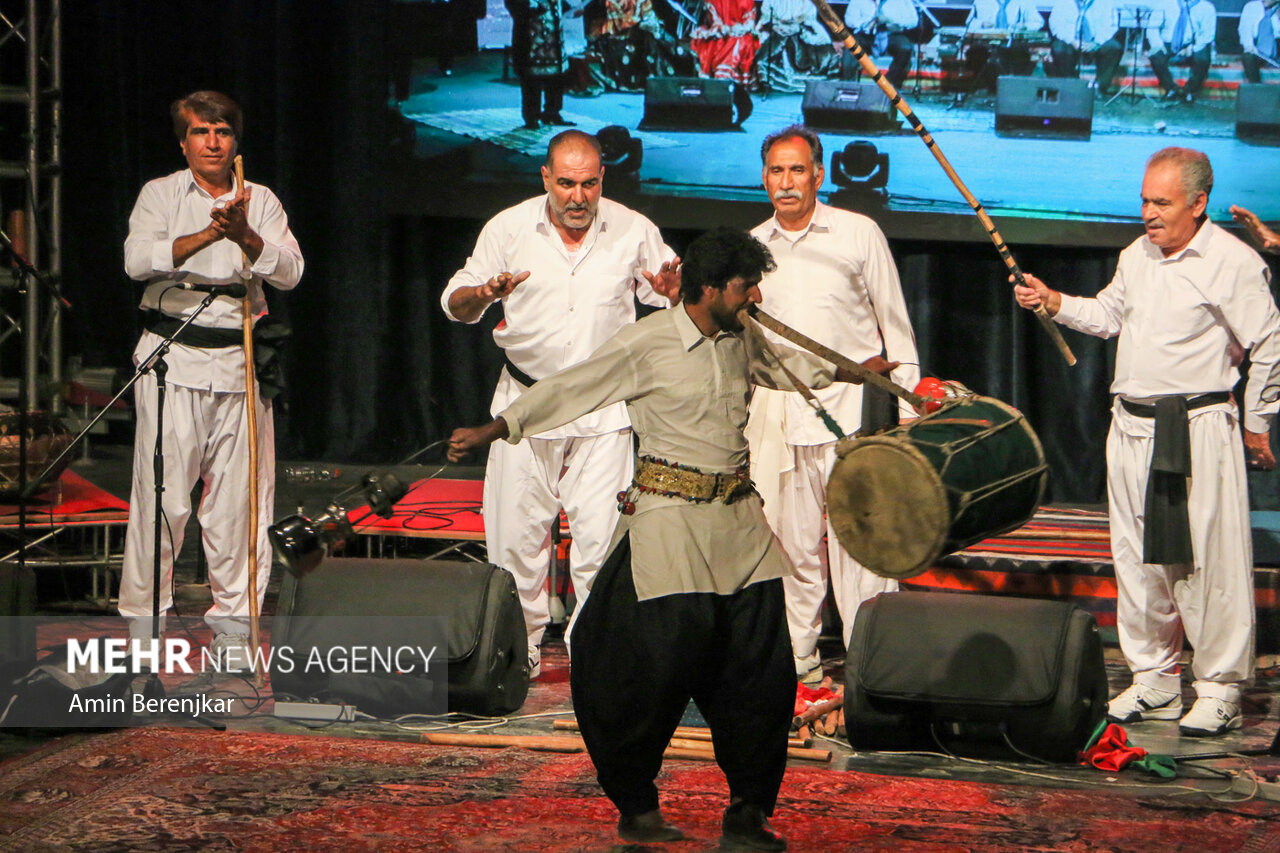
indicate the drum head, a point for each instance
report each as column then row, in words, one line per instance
column 888, row 507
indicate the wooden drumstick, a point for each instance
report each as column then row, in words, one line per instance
column 841, row 34
column 251, row 412
column 824, row 352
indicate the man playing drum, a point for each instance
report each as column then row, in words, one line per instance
column 1188, row 300
column 836, row 283
column 689, row 603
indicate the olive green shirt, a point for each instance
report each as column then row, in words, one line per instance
column 687, row 397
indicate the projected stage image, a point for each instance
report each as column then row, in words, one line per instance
column 1047, row 114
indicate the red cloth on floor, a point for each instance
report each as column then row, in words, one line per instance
column 807, row 697
column 1112, row 752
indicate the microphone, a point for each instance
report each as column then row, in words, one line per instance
column 235, row 291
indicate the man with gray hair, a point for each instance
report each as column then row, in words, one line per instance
column 835, row 282
column 1188, row 300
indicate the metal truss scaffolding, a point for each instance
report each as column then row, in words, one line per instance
column 31, row 192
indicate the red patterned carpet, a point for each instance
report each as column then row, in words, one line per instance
column 189, row 789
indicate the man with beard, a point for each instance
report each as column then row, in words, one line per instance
column 689, row 604
column 1188, row 300
column 568, row 267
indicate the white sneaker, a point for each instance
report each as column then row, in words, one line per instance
column 809, row 669
column 535, row 663
column 1141, row 702
column 230, row 653
column 1210, row 717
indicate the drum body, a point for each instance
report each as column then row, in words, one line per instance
column 46, row 438
column 900, row 500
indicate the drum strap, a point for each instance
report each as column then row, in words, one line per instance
column 1166, row 537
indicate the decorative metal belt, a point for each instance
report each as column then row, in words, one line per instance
column 673, row 480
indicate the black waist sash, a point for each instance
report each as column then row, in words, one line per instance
column 516, row 373
column 1166, row 534
column 268, row 335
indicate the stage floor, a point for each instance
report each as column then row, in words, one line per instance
column 1039, row 190
column 549, row 700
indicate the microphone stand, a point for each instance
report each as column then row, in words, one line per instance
column 153, row 689
column 922, row 10
column 26, row 268
column 157, row 353
column 155, row 362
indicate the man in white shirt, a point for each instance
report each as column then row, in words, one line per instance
column 1182, row 29
column 795, row 47
column 835, row 282
column 1085, row 27
column 1259, row 28
column 1188, row 300
column 891, row 18
column 194, row 228
column 568, row 267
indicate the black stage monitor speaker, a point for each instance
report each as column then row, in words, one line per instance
column 694, row 103
column 1043, row 106
column 344, row 610
column 990, row 676
column 839, row 105
column 1258, row 112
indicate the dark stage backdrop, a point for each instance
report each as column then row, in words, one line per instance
column 375, row 370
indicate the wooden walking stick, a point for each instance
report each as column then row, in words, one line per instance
column 251, row 411
column 841, row 34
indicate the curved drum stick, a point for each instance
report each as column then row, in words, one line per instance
column 251, row 412
column 841, row 34
column 822, row 351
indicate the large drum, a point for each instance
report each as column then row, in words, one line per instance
column 900, row 500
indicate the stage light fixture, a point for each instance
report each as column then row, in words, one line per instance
column 860, row 166
column 382, row 490
column 620, row 153
column 301, row 543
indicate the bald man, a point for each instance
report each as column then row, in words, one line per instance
column 568, row 267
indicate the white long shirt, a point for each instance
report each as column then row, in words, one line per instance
column 1184, row 319
column 837, row 284
column 1022, row 16
column 1064, row 22
column 860, row 16
column 1250, row 18
column 175, row 206
column 568, row 306
column 1202, row 26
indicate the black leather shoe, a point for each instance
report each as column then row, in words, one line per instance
column 746, row 828
column 557, row 120
column 647, row 828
